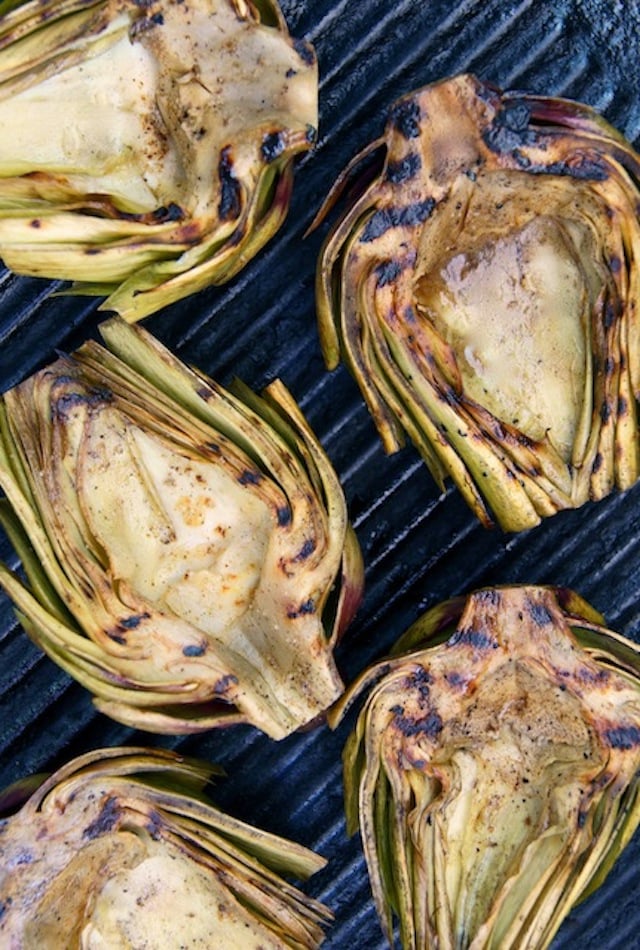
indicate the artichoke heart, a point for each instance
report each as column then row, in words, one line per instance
column 121, row 848
column 187, row 551
column 494, row 769
column 147, row 149
column 483, row 288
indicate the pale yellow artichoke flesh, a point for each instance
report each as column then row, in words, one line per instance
column 125, row 851
column 188, row 551
column 172, row 163
column 483, row 289
column 493, row 770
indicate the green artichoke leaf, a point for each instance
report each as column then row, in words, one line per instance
column 174, row 165
column 187, row 551
column 483, row 290
column 125, row 848
column 493, row 770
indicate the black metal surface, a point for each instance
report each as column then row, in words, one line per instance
column 419, row 547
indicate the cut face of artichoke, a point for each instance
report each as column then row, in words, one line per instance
column 187, row 550
column 484, row 289
column 120, row 848
column 173, row 162
column 494, row 769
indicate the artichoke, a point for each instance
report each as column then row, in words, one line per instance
column 120, row 848
column 187, row 551
column 495, row 768
column 173, row 162
column 483, row 289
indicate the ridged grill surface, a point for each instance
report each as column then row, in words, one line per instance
column 419, row 546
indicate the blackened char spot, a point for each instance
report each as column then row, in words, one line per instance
column 167, row 213
column 387, row 272
column 223, row 685
column 469, row 636
column 429, row 725
column 194, row 649
column 307, row 549
column 404, row 169
column 106, row 820
column 130, row 623
column 610, row 314
column 623, row 737
column 273, row 145
column 592, row 675
column 230, row 192
column 305, row 52
column 584, row 169
column 117, row 637
column 154, row 825
column 4, row 906
column 250, row 477
column 524, row 440
column 456, row 680
column 420, row 680
column 408, row 216
column 405, row 117
column 539, row 614
column 284, row 516
column 64, row 404
column 307, row 607
column 510, row 128
column 144, row 24
column 489, row 596
column 450, row 396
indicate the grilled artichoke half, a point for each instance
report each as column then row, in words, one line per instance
column 121, row 848
column 151, row 144
column 188, row 554
column 484, row 291
column 494, row 769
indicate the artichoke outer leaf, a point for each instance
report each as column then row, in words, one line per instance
column 523, row 389
column 175, row 163
column 126, row 848
column 187, row 550
column 493, row 769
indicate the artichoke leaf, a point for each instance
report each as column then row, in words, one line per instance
column 482, row 288
column 189, row 553
column 493, row 769
column 174, row 164
column 126, row 849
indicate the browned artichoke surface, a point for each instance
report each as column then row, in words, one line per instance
column 147, row 148
column 493, row 771
column 188, row 553
column 121, row 848
column 484, row 291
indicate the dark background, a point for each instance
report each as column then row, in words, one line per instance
column 419, row 547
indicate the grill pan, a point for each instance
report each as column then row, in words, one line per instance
column 419, row 546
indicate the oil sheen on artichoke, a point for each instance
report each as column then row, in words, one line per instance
column 483, row 289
